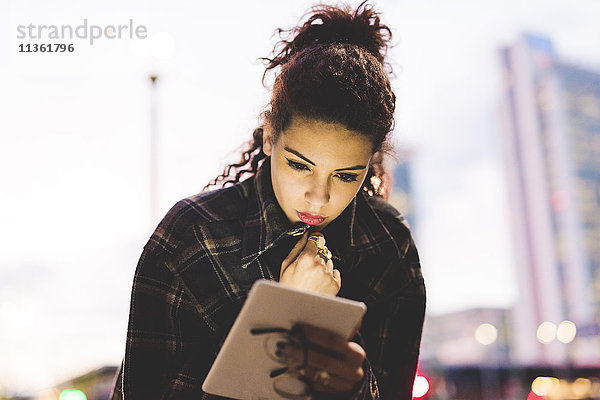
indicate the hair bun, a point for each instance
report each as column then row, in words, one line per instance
column 339, row 25
column 330, row 24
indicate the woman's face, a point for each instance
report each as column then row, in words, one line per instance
column 316, row 169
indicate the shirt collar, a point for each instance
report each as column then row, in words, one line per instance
column 266, row 222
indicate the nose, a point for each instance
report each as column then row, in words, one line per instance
column 317, row 192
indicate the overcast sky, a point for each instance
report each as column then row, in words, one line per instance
column 74, row 151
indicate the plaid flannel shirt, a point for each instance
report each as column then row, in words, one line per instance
column 199, row 264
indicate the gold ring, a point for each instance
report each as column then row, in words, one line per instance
column 315, row 238
column 322, row 377
column 325, row 253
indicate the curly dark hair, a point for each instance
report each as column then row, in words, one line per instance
column 331, row 68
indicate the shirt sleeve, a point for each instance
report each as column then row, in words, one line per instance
column 168, row 346
column 392, row 330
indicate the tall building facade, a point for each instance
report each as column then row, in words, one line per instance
column 551, row 144
column 401, row 194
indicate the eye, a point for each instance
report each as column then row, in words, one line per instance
column 297, row 166
column 347, row 177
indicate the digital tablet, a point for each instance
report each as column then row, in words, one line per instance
column 243, row 366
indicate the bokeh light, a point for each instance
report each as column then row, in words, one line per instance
column 420, row 387
column 72, row 394
column 486, row 334
column 581, row 388
column 546, row 332
column 566, row 332
column 543, row 385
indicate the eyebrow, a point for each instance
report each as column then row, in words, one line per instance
column 298, row 154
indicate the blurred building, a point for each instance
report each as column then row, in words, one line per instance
column 466, row 354
column 472, row 337
column 551, row 143
column 402, row 193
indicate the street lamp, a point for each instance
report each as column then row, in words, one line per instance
column 157, row 48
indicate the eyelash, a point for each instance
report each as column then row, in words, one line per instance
column 347, row 178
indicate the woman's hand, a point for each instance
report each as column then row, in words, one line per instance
column 333, row 364
column 305, row 269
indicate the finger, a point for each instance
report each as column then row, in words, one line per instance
column 321, row 358
column 299, row 352
column 337, row 276
column 292, row 354
column 337, row 282
column 332, row 344
column 316, row 241
column 328, row 266
column 333, row 383
column 349, row 370
column 316, row 361
column 323, row 337
column 315, row 246
column 296, row 250
column 317, row 238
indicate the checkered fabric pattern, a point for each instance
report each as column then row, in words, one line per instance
column 198, row 266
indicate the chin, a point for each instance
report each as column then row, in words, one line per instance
column 321, row 226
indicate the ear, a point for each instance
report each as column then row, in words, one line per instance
column 267, row 147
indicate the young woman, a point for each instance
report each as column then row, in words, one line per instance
column 309, row 214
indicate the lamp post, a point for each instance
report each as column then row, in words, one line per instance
column 156, row 49
column 153, row 151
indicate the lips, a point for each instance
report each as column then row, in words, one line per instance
column 310, row 219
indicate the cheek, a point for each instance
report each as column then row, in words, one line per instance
column 289, row 186
column 347, row 193
column 353, row 191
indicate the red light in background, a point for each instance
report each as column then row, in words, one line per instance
column 533, row 396
column 420, row 386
